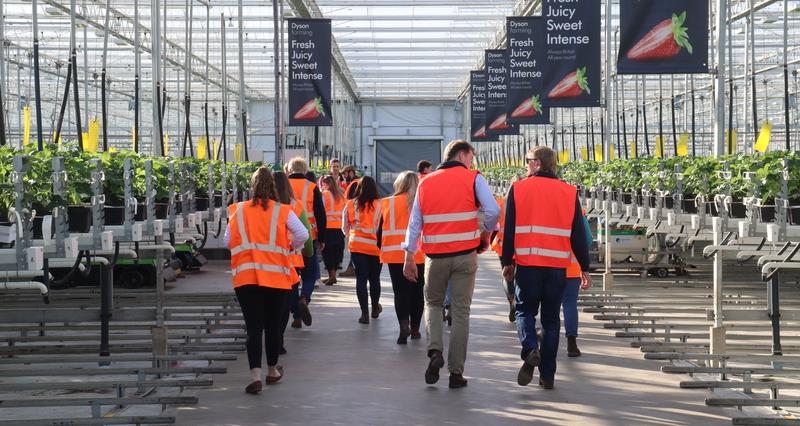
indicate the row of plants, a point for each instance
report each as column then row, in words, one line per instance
column 38, row 180
column 701, row 175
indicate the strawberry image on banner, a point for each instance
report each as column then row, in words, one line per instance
column 658, row 37
column 572, row 85
column 310, row 110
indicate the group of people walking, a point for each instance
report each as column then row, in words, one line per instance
column 429, row 232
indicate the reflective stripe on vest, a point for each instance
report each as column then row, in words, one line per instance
column 449, row 208
column 260, row 246
column 334, row 216
column 364, row 239
column 259, row 267
column 543, row 230
column 542, row 252
column 449, row 217
column 395, row 223
column 451, row 238
column 270, row 247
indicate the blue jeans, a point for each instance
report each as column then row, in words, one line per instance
column 569, row 303
column 540, row 288
column 308, row 277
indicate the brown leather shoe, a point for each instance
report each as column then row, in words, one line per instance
column 376, row 310
column 545, row 384
column 364, row 319
column 297, row 323
column 272, row 380
column 457, row 381
column 572, row 347
column 415, row 334
column 525, row 374
column 254, row 388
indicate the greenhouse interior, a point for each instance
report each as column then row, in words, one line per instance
column 179, row 179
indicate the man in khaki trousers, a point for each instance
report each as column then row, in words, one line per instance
column 445, row 225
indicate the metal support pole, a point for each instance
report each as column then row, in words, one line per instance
column 608, row 277
column 786, row 73
column 103, row 76
column 155, row 46
column 276, row 59
column 719, row 121
column 36, row 82
column 224, row 141
column 137, row 71
column 242, row 100
column 209, row 153
column 86, row 70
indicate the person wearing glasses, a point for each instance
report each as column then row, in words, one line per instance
column 543, row 230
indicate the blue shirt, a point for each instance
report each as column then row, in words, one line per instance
column 487, row 204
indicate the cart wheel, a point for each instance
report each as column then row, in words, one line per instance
column 134, row 278
column 662, row 272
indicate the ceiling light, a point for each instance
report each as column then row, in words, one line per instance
column 52, row 11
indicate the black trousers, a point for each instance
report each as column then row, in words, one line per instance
column 368, row 268
column 262, row 308
column 409, row 299
column 333, row 254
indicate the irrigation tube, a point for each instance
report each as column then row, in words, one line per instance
column 785, row 72
column 155, row 49
column 57, row 134
column 661, row 116
column 674, row 130
column 36, row 82
column 223, row 142
column 276, row 59
column 694, row 124
column 74, row 59
column 644, row 117
column 719, row 128
column 209, row 154
column 103, row 77
column 624, row 123
column 731, row 148
column 137, row 65
column 187, row 135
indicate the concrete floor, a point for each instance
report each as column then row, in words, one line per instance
column 339, row 372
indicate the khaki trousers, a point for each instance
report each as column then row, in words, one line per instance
column 459, row 272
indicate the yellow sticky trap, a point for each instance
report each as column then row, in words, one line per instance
column 201, row 148
column 237, row 152
column 632, row 147
column 683, row 145
column 612, row 154
column 166, row 144
column 563, row 157
column 215, row 147
column 26, row 125
column 764, row 138
column 659, row 147
column 598, row 153
column 92, row 137
column 112, row 149
column 133, row 137
column 56, row 138
column 730, row 138
column 585, row 154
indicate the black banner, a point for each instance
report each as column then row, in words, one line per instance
column 477, row 80
column 663, row 37
column 496, row 61
column 310, row 72
column 523, row 102
column 571, row 54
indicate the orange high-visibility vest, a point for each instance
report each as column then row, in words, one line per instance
column 363, row 236
column 297, row 256
column 449, row 212
column 395, row 222
column 574, row 269
column 260, row 246
column 303, row 190
column 545, row 209
column 497, row 243
column 333, row 210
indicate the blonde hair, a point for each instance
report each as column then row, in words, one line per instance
column 406, row 183
column 298, row 165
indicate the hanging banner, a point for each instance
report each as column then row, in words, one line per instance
column 663, row 37
column 310, row 72
column 496, row 88
column 764, row 137
column 523, row 102
column 571, row 53
column 478, row 108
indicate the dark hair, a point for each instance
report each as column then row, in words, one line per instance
column 311, row 176
column 422, row 165
column 367, row 193
column 352, row 191
column 333, row 187
column 335, row 160
column 456, row 147
column 283, row 189
column 262, row 187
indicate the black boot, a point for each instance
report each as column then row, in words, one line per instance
column 364, row 317
column 572, row 347
column 405, row 331
column 376, row 310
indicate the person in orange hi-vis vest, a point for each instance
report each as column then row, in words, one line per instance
column 569, row 302
column 445, row 215
column 261, row 234
column 409, row 301
column 543, row 229
column 497, row 247
column 284, row 195
column 310, row 197
column 362, row 216
column 333, row 254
